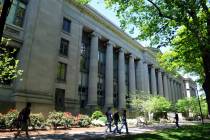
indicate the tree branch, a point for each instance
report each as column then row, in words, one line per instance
column 204, row 6
column 160, row 12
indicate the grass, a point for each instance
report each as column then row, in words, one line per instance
column 196, row 132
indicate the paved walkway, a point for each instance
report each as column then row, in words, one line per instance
column 81, row 133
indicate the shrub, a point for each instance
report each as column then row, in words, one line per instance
column 68, row 119
column 2, row 121
column 96, row 115
column 82, row 120
column 10, row 117
column 103, row 119
column 97, row 123
column 56, row 119
column 37, row 120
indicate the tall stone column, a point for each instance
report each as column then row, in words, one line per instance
column 121, row 80
column 139, row 75
column 183, row 89
column 153, row 81
column 173, row 90
column 109, row 75
column 132, row 75
column 177, row 90
column 93, row 71
column 169, row 88
column 160, row 83
column 165, row 82
column 146, row 78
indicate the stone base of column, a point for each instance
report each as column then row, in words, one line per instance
column 108, row 106
column 91, row 108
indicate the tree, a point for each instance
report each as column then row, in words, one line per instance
column 190, row 105
column 146, row 104
column 138, row 100
column 179, row 23
column 4, row 12
column 8, row 64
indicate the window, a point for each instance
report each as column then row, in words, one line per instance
column 17, row 12
column 64, row 45
column 61, row 74
column 66, row 25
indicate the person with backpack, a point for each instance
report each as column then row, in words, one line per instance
column 109, row 119
column 124, row 122
column 116, row 119
column 24, row 120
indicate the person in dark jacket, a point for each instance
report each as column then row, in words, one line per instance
column 124, row 121
column 109, row 119
column 116, row 119
column 24, row 119
column 177, row 120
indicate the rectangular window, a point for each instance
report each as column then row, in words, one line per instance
column 66, row 25
column 64, row 47
column 17, row 12
column 61, row 73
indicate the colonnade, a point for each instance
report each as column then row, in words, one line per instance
column 143, row 76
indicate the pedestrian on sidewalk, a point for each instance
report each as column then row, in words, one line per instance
column 116, row 118
column 109, row 119
column 177, row 120
column 124, row 121
column 24, row 120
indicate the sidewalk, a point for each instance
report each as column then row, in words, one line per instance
column 81, row 133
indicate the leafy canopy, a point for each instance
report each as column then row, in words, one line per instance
column 145, row 103
column 191, row 105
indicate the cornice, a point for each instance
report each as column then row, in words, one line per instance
column 92, row 13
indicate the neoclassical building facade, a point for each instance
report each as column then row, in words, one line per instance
column 75, row 59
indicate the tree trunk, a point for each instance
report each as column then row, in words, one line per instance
column 4, row 13
column 206, row 84
column 205, row 50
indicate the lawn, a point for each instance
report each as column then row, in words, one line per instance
column 197, row 132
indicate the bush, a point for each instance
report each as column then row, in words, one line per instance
column 103, row 119
column 37, row 120
column 96, row 115
column 56, row 119
column 97, row 123
column 82, row 120
column 68, row 119
column 10, row 117
column 2, row 121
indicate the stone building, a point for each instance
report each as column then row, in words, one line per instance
column 75, row 59
column 191, row 87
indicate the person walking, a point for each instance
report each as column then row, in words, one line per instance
column 177, row 120
column 24, row 120
column 124, row 122
column 116, row 119
column 109, row 119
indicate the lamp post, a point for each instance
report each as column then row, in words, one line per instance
column 199, row 106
